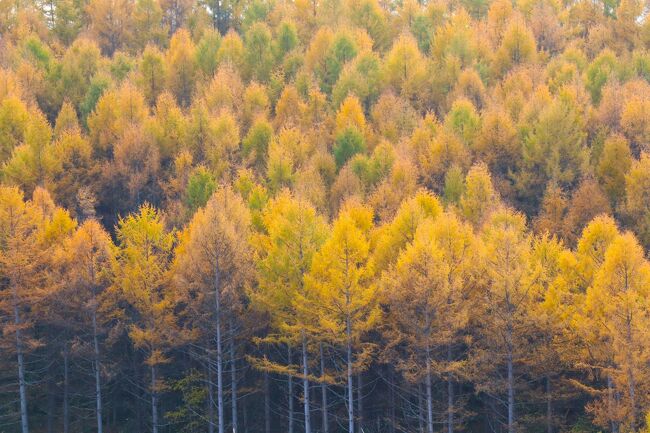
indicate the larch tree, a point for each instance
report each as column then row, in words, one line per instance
column 87, row 259
column 33, row 162
column 342, row 276
column 151, row 74
column 429, row 293
column 551, row 309
column 391, row 238
column 17, row 231
column 143, row 258
column 506, row 297
column 405, row 69
column 637, row 187
column 57, row 307
column 212, row 269
column 24, row 261
column 181, row 72
column 618, row 305
column 14, row 118
column 293, row 233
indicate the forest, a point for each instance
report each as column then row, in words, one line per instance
column 324, row 216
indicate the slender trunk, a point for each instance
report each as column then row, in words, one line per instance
column 631, row 380
column 450, row 394
column 350, row 384
column 138, row 392
column 267, row 404
column 429, row 394
column 509, row 361
column 323, row 389
column 360, row 400
column 154, row 400
column 290, row 392
column 393, row 414
column 217, row 293
column 420, row 414
column 610, row 402
column 210, row 397
column 21, row 368
column 305, row 384
column 511, row 395
column 549, row 406
column 233, row 377
column 66, row 390
column 97, row 367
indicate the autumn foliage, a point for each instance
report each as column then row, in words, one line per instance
column 324, row 216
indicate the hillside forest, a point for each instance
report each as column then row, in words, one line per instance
column 324, row 216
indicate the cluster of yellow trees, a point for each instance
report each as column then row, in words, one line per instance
column 446, row 295
column 326, row 215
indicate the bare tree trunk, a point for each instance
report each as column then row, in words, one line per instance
column 393, row 414
column 360, row 400
column 610, row 401
column 323, row 388
column 305, row 384
column 267, row 404
column 210, row 397
column 154, row 400
column 511, row 394
column 350, row 384
column 66, row 390
column 429, row 394
column 450, row 395
column 291, row 415
column 549, row 406
column 97, row 367
column 138, row 392
column 509, row 361
column 21, row 368
column 233, row 377
column 420, row 412
column 631, row 380
column 217, row 292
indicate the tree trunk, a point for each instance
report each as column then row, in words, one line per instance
column 393, row 414
column 97, row 366
column 511, row 394
column 631, row 380
column 350, row 384
column 360, row 400
column 138, row 392
column 420, row 412
column 509, row 361
column 217, row 295
column 233, row 377
column 450, row 395
column 66, row 390
column 549, row 406
column 610, row 402
column 290, row 392
column 21, row 368
column 210, row 397
column 323, row 388
column 305, row 384
column 154, row 401
column 267, row 404
column 429, row 394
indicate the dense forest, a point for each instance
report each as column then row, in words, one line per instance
column 362, row 216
